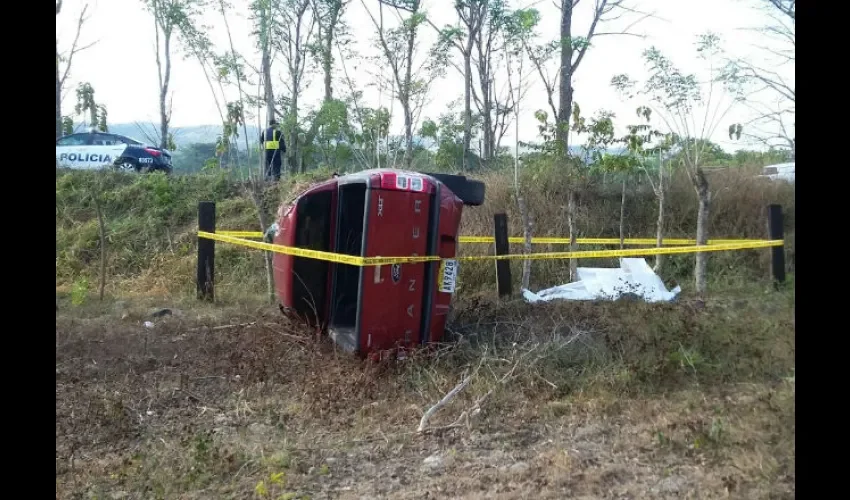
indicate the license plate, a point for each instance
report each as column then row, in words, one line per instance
column 448, row 275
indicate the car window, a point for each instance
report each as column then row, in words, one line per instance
column 106, row 140
column 73, row 140
column 127, row 140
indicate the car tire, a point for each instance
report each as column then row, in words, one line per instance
column 470, row 192
column 127, row 165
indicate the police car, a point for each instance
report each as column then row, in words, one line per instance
column 96, row 150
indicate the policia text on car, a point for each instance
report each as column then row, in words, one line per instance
column 272, row 140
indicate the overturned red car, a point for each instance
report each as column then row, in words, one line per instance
column 379, row 212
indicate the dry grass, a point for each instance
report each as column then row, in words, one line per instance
column 739, row 210
column 590, row 399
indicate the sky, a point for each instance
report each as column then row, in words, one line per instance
column 121, row 65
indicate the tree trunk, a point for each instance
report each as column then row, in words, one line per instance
column 659, row 233
column 659, row 224
column 565, row 104
column 485, row 80
column 489, row 132
column 571, row 227
column 102, row 231
column 257, row 198
column 327, row 34
column 267, row 83
column 408, row 113
column 58, row 96
column 623, row 215
column 704, row 197
column 516, row 125
column 327, row 63
column 223, row 10
column 292, row 146
column 527, row 228
column 163, row 91
column 266, row 62
column 467, row 104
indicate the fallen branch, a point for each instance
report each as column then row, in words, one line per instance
column 423, row 424
column 223, row 327
column 296, row 338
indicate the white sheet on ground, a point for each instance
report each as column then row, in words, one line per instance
column 634, row 276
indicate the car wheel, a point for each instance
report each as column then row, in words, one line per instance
column 470, row 192
column 127, row 165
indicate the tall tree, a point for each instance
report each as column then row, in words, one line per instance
column 64, row 60
column 470, row 13
column 774, row 121
column 518, row 28
column 267, row 32
column 171, row 19
column 371, row 125
column 692, row 107
column 86, row 104
column 329, row 16
column 299, row 24
column 495, row 104
column 398, row 47
column 233, row 65
column 479, row 38
column 570, row 50
column 200, row 47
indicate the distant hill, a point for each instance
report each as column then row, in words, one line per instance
column 206, row 134
column 183, row 136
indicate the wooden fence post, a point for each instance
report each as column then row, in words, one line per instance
column 776, row 229
column 206, row 252
column 503, row 267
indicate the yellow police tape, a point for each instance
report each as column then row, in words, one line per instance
column 242, row 234
column 585, row 254
column 545, row 240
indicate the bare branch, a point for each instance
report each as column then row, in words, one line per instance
column 81, row 20
column 622, row 33
column 396, row 6
column 771, row 79
column 423, row 423
column 786, row 7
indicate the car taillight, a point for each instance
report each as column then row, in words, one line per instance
column 153, row 152
column 403, row 182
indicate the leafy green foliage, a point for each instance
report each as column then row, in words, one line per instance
column 195, row 157
column 448, row 134
column 67, row 125
column 86, row 104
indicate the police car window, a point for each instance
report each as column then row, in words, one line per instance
column 127, row 140
column 105, row 140
column 72, row 140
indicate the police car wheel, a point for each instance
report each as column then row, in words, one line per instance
column 127, row 166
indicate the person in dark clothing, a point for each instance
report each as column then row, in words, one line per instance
column 274, row 147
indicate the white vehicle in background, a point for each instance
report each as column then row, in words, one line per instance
column 97, row 150
column 780, row 171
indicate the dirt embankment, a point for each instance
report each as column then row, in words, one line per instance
column 253, row 407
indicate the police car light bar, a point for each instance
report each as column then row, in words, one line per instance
column 404, row 182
